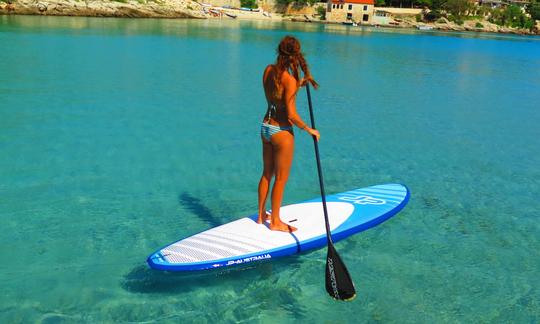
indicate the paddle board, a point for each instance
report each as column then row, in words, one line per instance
column 243, row 240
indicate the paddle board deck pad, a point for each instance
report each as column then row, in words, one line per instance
column 243, row 240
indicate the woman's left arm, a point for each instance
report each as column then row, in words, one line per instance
column 291, row 88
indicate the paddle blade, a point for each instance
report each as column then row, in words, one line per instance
column 338, row 281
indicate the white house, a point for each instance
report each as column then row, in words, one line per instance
column 359, row 11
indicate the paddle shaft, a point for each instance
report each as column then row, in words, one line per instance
column 319, row 168
column 339, row 283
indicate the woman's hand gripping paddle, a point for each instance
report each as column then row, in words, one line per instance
column 338, row 281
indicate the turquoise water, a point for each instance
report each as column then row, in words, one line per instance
column 118, row 136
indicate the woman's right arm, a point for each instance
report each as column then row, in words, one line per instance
column 290, row 90
column 264, row 79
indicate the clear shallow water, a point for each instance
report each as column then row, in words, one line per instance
column 118, row 136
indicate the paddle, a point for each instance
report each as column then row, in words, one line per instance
column 338, row 281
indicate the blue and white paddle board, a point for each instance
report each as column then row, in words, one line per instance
column 243, row 241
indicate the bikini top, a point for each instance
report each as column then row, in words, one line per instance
column 271, row 111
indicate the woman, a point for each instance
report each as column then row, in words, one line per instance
column 281, row 82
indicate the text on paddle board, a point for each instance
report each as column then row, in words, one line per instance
column 362, row 199
column 250, row 259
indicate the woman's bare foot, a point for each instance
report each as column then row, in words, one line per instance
column 262, row 220
column 282, row 227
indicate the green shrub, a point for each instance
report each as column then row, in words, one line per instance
column 432, row 15
column 457, row 8
column 457, row 19
column 252, row 4
column 511, row 16
column 534, row 9
column 299, row 3
column 418, row 17
column 529, row 24
column 321, row 11
column 479, row 25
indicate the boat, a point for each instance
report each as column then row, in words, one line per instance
column 214, row 13
column 350, row 23
column 230, row 15
column 424, row 27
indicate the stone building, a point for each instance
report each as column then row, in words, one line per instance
column 503, row 3
column 358, row 11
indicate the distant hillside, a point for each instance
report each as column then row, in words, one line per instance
column 104, row 8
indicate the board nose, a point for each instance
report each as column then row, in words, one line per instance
column 156, row 260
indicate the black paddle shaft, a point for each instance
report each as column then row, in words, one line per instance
column 319, row 168
column 338, row 280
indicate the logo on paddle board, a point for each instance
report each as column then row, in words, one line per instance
column 250, row 259
column 363, row 200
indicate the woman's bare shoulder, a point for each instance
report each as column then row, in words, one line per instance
column 287, row 79
column 267, row 70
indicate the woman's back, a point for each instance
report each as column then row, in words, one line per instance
column 275, row 91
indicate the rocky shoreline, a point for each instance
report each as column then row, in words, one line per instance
column 99, row 8
column 193, row 9
column 474, row 25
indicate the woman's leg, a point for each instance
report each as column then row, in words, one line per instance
column 264, row 183
column 283, row 145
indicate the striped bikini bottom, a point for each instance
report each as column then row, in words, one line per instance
column 268, row 130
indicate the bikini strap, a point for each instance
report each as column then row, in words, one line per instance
column 271, row 111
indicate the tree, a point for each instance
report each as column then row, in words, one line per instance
column 300, row 3
column 511, row 16
column 438, row 4
column 534, row 9
column 248, row 3
column 423, row 3
column 457, row 8
column 321, row 11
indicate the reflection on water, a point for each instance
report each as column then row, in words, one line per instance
column 142, row 279
column 214, row 29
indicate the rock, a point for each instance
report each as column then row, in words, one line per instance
column 132, row 8
column 443, row 20
column 42, row 7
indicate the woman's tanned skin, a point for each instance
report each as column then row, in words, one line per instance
column 278, row 152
